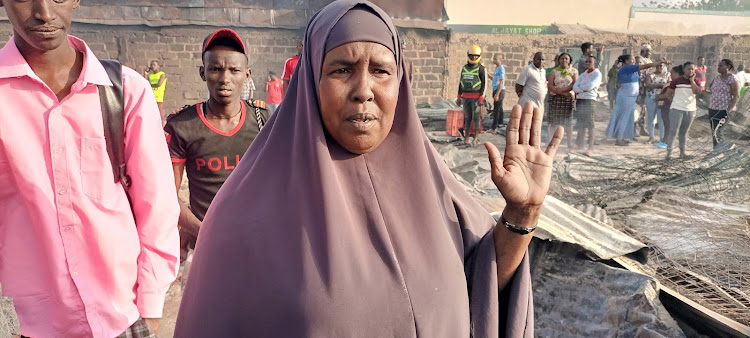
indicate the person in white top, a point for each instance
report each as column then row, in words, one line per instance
column 531, row 85
column 586, row 89
column 682, row 93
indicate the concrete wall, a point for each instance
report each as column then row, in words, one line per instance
column 609, row 15
column 652, row 21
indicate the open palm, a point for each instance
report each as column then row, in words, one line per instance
column 523, row 175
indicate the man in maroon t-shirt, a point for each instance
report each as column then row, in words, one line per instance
column 208, row 139
column 290, row 65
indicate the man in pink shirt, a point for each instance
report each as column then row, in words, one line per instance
column 77, row 261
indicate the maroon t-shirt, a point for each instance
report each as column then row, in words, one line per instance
column 209, row 154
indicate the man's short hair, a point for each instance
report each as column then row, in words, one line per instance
column 272, row 73
column 497, row 55
column 585, row 46
column 157, row 62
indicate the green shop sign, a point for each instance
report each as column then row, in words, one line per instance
column 506, row 29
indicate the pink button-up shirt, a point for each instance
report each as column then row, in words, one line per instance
column 71, row 256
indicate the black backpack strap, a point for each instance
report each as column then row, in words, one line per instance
column 113, row 114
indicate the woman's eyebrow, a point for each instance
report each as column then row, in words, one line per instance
column 381, row 64
column 341, row 62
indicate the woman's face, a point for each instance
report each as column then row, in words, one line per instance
column 659, row 70
column 358, row 93
column 630, row 61
column 689, row 71
column 564, row 61
column 674, row 74
column 723, row 68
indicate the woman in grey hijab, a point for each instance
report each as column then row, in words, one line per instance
column 343, row 221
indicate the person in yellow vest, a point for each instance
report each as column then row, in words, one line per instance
column 471, row 92
column 158, row 80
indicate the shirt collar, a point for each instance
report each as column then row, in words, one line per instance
column 12, row 63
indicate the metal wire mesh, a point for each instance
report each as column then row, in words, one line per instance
column 693, row 213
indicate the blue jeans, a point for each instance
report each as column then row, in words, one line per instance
column 654, row 116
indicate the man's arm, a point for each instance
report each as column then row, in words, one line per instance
column 154, row 200
column 161, row 81
column 483, row 77
column 286, row 76
column 521, row 81
column 188, row 221
column 501, row 82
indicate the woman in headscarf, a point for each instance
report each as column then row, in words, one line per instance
column 622, row 122
column 343, row 221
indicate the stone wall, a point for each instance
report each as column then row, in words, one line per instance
column 234, row 13
column 427, row 50
column 178, row 48
column 717, row 47
column 437, row 55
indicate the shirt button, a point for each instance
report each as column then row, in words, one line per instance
column 75, row 273
column 66, row 228
column 58, row 150
column 61, row 191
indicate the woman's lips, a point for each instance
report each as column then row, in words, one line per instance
column 362, row 122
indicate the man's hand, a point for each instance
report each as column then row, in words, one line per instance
column 458, row 102
column 599, row 49
column 732, row 108
column 153, row 325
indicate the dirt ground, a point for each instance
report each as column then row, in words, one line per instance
column 696, row 146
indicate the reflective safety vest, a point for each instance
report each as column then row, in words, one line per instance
column 158, row 91
column 470, row 80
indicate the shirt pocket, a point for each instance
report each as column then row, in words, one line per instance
column 97, row 181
